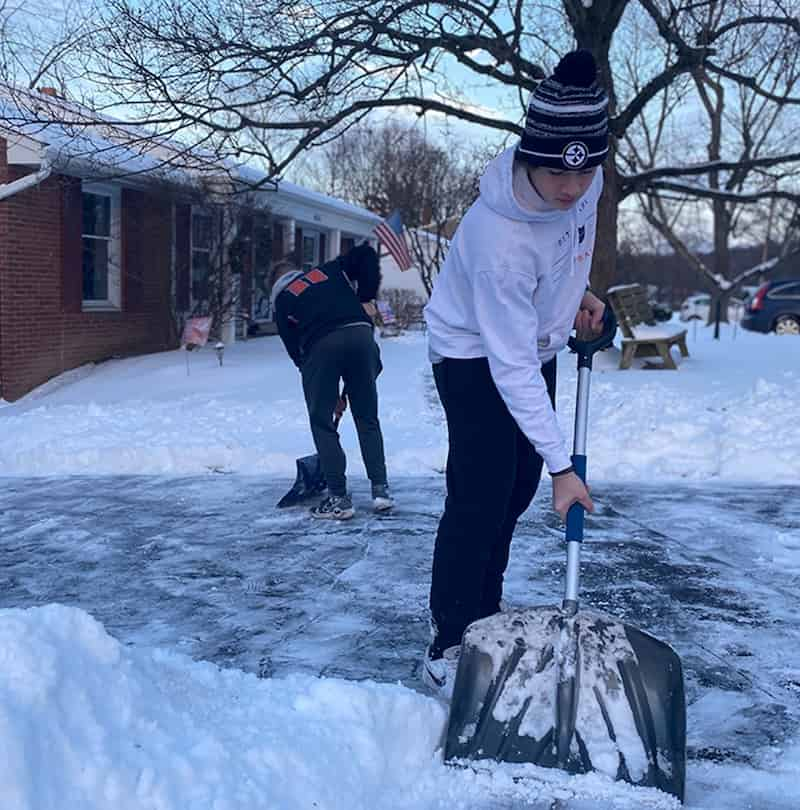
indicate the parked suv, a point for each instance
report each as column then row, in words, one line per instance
column 775, row 307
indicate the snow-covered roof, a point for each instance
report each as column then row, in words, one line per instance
column 76, row 140
column 315, row 199
column 73, row 139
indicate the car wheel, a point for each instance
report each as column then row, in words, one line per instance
column 787, row 325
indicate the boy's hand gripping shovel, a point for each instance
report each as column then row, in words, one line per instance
column 567, row 688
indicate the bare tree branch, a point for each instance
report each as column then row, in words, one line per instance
column 273, row 80
column 698, row 192
column 650, row 177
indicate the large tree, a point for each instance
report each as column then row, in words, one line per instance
column 391, row 165
column 271, row 79
column 752, row 198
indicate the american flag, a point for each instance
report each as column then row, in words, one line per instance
column 392, row 236
column 387, row 316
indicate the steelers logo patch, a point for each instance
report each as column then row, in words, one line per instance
column 575, row 155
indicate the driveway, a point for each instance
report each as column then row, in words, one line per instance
column 208, row 566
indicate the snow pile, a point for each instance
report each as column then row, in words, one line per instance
column 87, row 724
column 536, row 651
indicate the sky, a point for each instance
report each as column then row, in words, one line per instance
column 88, row 723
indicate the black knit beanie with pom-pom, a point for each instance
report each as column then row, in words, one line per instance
column 566, row 126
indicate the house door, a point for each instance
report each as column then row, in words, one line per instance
column 309, row 255
column 265, row 235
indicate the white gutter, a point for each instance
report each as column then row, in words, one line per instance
column 9, row 189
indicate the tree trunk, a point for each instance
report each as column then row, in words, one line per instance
column 594, row 25
column 722, row 260
column 719, row 308
column 604, row 260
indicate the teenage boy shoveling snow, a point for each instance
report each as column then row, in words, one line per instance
column 513, row 286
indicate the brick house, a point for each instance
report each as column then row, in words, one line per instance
column 105, row 245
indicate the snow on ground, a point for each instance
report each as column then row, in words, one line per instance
column 728, row 413
column 202, row 565
column 88, row 724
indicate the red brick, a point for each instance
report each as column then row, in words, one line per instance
column 37, row 339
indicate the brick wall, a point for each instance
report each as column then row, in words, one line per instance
column 41, row 333
column 3, row 247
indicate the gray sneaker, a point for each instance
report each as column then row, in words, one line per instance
column 382, row 501
column 334, row 507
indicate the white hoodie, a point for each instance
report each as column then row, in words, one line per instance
column 509, row 291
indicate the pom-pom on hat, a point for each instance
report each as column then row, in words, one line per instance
column 566, row 126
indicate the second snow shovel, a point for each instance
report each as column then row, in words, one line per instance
column 567, row 688
column 310, row 481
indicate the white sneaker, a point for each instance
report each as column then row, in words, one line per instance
column 382, row 501
column 439, row 674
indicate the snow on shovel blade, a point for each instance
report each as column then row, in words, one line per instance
column 310, row 481
column 581, row 693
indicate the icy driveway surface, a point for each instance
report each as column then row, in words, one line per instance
column 206, row 565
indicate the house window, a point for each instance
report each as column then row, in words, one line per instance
column 262, row 261
column 100, row 240
column 310, row 251
column 202, row 243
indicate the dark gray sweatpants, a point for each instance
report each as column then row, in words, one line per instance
column 351, row 354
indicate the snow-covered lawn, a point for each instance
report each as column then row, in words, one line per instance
column 729, row 412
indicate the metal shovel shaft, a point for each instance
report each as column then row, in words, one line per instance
column 575, row 515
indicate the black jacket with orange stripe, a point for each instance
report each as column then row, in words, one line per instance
column 310, row 305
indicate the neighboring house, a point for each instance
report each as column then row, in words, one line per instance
column 393, row 278
column 107, row 237
column 410, row 281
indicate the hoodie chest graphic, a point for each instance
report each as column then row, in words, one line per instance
column 583, row 240
column 573, row 248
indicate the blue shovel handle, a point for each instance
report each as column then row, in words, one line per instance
column 576, row 512
column 585, row 349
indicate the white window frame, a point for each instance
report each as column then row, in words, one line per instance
column 265, row 314
column 314, row 234
column 198, row 211
column 114, row 300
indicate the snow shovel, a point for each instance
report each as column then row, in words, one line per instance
column 566, row 688
column 310, row 480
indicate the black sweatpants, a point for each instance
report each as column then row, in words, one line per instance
column 493, row 472
column 349, row 353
